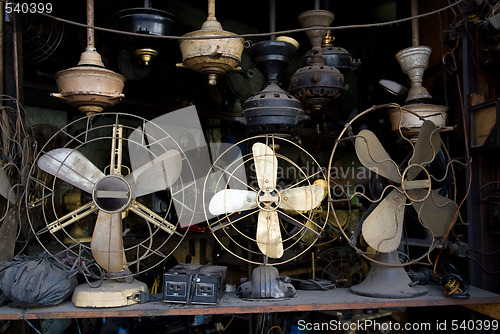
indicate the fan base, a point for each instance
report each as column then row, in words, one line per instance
column 265, row 284
column 387, row 282
column 109, row 294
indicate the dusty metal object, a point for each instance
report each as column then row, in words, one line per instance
column 111, row 195
column 89, row 86
column 146, row 55
column 266, row 284
column 410, row 119
column 211, row 56
column 385, row 281
column 272, row 110
column 268, row 199
column 316, row 84
column 414, row 62
column 147, row 21
column 382, row 226
column 194, row 284
column 335, row 56
column 418, row 108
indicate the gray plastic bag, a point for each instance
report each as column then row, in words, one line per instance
column 28, row 282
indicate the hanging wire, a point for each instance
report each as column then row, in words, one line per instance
column 29, row 323
column 265, row 34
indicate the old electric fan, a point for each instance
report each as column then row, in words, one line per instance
column 416, row 188
column 122, row 165
column 271, row 211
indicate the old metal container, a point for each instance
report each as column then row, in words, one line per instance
column 412, row 116
column 89, row 88
column 211, row 56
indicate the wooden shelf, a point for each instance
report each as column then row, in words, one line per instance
column 335, row 299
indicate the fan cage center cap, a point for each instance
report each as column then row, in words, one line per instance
column 409, row 183
column 112, row 194
column 268, row 199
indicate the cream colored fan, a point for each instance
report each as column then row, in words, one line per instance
column 111, row 195
column 120, row 162
column 267, row 199
column 279, row 195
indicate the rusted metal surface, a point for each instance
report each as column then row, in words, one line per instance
column 316, row 84
column 89, row 88
column 212, row 56
column 414, row 62
column 272, row 110
column 410, row 119
column 336, row 299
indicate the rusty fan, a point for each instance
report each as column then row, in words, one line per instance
column 413, row 188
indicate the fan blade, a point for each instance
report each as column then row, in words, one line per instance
column 427, row 146
column 266, row 165
column 5, row 187
column 269, row 234
column 232, row 200
column 158, row 174
column 436, row 212
column 107, row 241
column 8, row 235
column 382, row 228
column 71, row 166
column 302, row 198
column 373, row 156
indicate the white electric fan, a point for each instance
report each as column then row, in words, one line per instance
column 122, row 167
column 272, row 210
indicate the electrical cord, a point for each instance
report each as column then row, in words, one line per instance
column 454, row 284
column 451, row 56
column 491, row 272
column 266, row 34
column 29, row 323
column 313, row 284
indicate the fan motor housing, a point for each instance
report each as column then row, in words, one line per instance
column 112, row 194
column 273, row 110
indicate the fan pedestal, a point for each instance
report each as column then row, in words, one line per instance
column 265, row 284
column 386, row 281
column 109, row 294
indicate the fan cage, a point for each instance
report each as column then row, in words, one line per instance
column 226, row 228
column 44, row 195
column 347, row 136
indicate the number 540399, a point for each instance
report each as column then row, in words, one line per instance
column 28, row 7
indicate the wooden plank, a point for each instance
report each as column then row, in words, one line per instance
column 335, row 299
column 491, row 310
